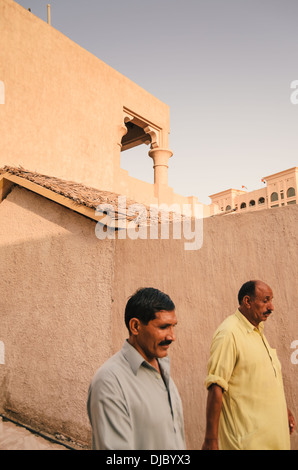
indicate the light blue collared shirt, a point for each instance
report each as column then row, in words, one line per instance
column 132, row 407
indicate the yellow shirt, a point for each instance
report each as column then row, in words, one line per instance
column 254, row 412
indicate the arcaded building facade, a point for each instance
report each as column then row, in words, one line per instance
column 280, row 190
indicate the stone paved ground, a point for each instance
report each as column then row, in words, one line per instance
column 13, row 437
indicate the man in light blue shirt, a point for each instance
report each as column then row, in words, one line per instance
column 133, row 404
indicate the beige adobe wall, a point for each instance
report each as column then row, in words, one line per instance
column 55, row 321
column 204, row 286
column 63, row 112
column 134, row 188
column 63, row 294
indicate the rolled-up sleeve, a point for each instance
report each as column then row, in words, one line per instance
column 222, row 360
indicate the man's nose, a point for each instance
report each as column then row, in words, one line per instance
column 171, row 336
column 271, row 306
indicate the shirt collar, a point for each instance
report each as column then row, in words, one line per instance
column 132, row 356
column 135, row 360
column 246, row 323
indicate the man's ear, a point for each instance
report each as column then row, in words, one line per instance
column 246, row 301
column 134, row 326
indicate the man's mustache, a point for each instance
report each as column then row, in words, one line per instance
column 165, row 343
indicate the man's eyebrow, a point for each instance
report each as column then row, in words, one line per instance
column 169, row 324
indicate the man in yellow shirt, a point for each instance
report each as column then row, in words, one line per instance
column 246, row 406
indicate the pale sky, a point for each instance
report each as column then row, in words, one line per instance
column 225, row 69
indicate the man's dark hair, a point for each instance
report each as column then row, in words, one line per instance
column 249, row 288
column 145, row 303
